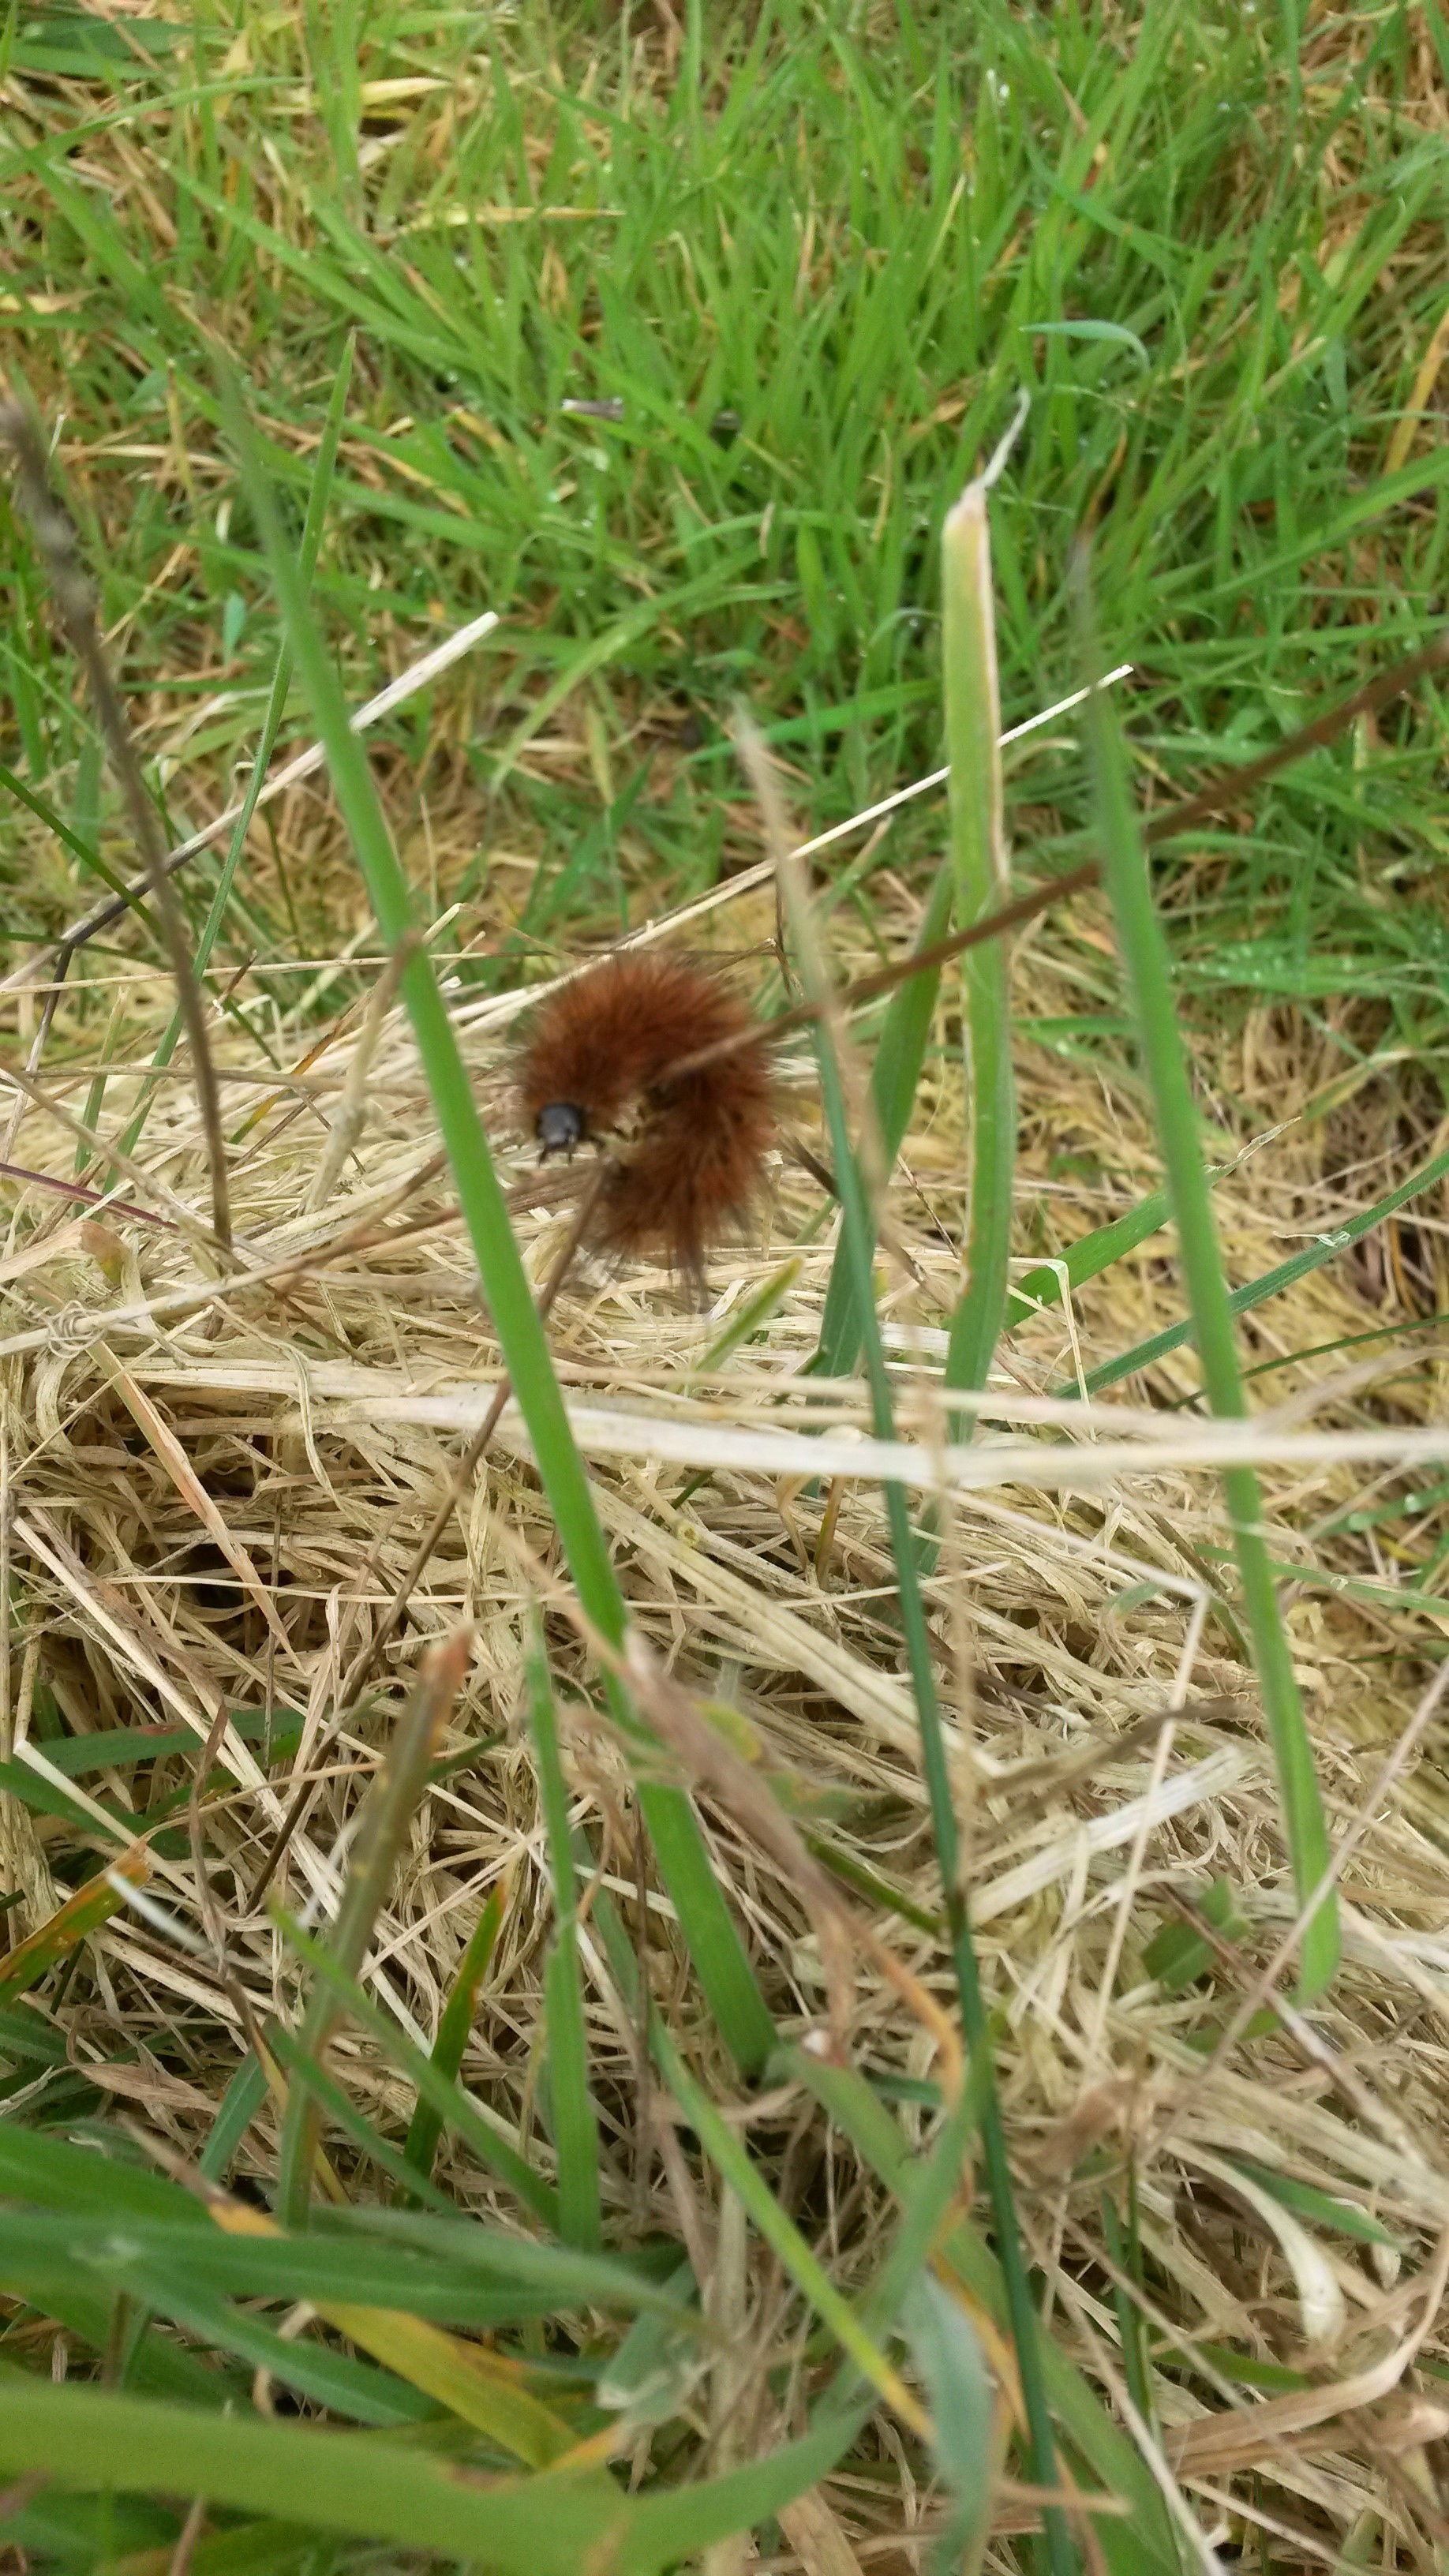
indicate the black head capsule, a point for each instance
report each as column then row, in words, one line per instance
column 559, row 1128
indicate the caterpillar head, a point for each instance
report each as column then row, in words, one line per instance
column 560, row 1128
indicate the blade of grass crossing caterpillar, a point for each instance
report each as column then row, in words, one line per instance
column 454, row 2024
column 318, row 495
column 1060, row 2553
column 1148, row 971
column 575, row 2122
column 714, row 1943
column 391, row 1804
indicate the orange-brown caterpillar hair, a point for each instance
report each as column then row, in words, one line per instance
column 686, row 1149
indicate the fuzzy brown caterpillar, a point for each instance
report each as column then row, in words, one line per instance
column 686, row 1150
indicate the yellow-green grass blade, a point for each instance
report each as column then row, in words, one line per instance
column 978, row 846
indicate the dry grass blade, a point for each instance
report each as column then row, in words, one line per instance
column 76, row 605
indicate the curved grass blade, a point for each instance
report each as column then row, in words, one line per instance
column 1148, row 970
column 365, row 2485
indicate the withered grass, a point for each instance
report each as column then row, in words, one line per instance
column 209, row 1505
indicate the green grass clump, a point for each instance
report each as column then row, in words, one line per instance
column 813, row 261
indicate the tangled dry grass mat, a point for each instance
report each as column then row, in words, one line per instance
column 216, row 1477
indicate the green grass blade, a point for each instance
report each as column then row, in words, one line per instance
column 1124, row 2247
column 55, row 2174
column 1148, row 971
column 346, row 2386
column 729, row 2154
column 454, row 2024
column 330, row 2481
column 575, row 2121
column 462, row 2272
column 240, row 2104
column 714, row 1943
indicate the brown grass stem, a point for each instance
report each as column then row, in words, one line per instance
column 75, row 601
